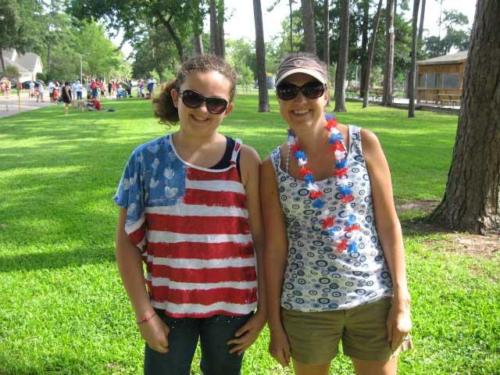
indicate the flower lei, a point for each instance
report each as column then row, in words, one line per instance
column 342, row 231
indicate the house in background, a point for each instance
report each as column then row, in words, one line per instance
column 440, row 79
column 28, row 64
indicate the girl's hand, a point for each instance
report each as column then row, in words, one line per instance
column 279, row 347
column 398, row 324
column 247, row 334
column 155, row 333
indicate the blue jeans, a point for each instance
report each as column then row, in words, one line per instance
column 214, row 332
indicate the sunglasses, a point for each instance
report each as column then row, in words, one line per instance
column 289, row 91
column 193, row 99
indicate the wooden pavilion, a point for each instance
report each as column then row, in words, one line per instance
column 440, row 79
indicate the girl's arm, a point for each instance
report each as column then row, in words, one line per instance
column 275, row 258
column 129, row 261
column 390, row 236
column 248, row 333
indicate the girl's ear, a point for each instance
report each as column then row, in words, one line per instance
column 175, row 96
column 229, row 109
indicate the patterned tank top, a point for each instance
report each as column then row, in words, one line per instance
column 318, row 278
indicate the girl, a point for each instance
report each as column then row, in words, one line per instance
column 190, row 210
column 334, row 258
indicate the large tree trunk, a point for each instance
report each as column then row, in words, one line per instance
column 411, row 81
column 472, row 198
column 308, row 23
column 371, row 53
column 326, row 36
column 364, row 45
column 260, row 52
column 341, row 72
column 389, row 54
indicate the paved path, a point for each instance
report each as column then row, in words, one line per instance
column 12, row 106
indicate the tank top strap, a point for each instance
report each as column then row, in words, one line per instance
column 236, row 150
column 276, row 159
column 355, row 148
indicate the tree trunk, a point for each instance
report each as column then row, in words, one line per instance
column 472, row 198
column 326, row 37
column 389, row 54
column 290, row 2
column 260, row 52
column 214, row 38
column 220, row 29
column 197, row 29
column 308, row 23
column 371, row 53
column 343, row 57
column 198, row 44
column 364, row 45
column 2, row 60
column 411, row 81
column 175, row 38
column 421, row 27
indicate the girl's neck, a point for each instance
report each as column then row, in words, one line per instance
column 187, row 140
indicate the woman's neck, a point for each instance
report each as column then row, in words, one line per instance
column 313, row 139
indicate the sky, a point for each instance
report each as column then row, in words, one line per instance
column 241, row 24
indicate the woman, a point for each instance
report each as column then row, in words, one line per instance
column 334, row 256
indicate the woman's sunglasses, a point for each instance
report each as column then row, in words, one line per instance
column 193, row 99
column 289, row 91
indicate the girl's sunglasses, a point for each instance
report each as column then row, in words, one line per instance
column 193, row 99
column 289, row 91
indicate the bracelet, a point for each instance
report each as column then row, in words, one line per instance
column 146, row 318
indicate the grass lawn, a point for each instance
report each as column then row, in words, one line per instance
column 63, row 309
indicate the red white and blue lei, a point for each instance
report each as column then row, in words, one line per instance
column 342, row 231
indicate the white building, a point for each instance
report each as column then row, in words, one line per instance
column 28, row 64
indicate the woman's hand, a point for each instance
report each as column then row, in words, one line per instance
column 279, row 347
column 155, row 333
column 247, row 334
column 398, row 323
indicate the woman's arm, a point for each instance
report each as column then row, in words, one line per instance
column 390, row 235
column 248, row 333
column 129, row 261
column 275, row 258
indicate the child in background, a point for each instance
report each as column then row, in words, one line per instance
column 190, row 211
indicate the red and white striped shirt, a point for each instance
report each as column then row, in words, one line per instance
column 198, row 251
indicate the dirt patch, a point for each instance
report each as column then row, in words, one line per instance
column 419, row 205
column 449, row 241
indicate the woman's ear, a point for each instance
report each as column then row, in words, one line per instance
column 175, row 96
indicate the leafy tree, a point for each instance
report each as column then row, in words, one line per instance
column 178, row 18
column 455, row 37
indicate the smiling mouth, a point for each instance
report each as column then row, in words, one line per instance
column 300, row 113
column 198, row 118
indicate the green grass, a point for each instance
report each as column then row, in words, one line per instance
column 63, row 309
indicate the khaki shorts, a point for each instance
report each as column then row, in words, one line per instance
column 314, row 336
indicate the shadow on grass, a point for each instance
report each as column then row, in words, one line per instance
column 55, row 260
